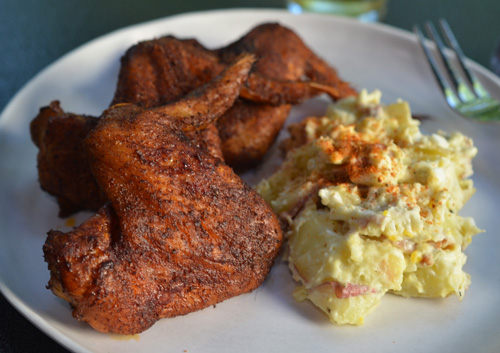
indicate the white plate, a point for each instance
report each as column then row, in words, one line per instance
column 266, row 320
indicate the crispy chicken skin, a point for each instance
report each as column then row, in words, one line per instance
column 208, row 139
column 63, row 170
column 287, row 72
column 159, row 71
column 62, row 163
column 163, row 70
column 181, row 231
column 249, row 129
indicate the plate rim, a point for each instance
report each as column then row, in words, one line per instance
column 20, row 305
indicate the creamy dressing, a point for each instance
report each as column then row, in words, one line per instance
column 371, row 206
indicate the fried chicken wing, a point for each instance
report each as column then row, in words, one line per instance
column 182, row 231
column 287, row 72
column 62, row 166
column 63, row 169
column 163, row 70
column 249, row 129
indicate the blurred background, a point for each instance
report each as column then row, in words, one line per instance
column 34, row 33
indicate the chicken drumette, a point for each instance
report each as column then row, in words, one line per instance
column 163, row 70
column 287, row 72
column 181, row 231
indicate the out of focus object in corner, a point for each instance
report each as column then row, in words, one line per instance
column 364, row 10
column 495, row 59
column 463, row 92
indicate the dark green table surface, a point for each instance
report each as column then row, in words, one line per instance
column 34, row 33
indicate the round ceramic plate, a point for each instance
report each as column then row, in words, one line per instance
column 268, row 319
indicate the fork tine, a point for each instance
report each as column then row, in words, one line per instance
column 431, row 31
column 478, row 88
column 450, row 96
column 464, row 93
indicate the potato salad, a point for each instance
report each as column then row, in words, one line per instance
column 370, row 205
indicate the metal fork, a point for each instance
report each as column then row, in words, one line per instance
column 466, row 95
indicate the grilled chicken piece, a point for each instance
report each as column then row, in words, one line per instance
column 163, row 70
column 287, row 72
column 63, row 169
column 249, row 129
column 182, row 231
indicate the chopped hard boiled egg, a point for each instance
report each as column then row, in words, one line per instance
column 371, row 206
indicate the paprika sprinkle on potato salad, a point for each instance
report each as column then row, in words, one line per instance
column 370, row 205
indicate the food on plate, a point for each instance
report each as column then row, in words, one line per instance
column 163, row 70
column 287, row 72
column 181, row 232
column 63, row 169
column 370, row 205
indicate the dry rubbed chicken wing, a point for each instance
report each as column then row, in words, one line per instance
column 163, row 70
column 63, row 169
column 249, row 129
column 182, row 231
column 287, row 72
